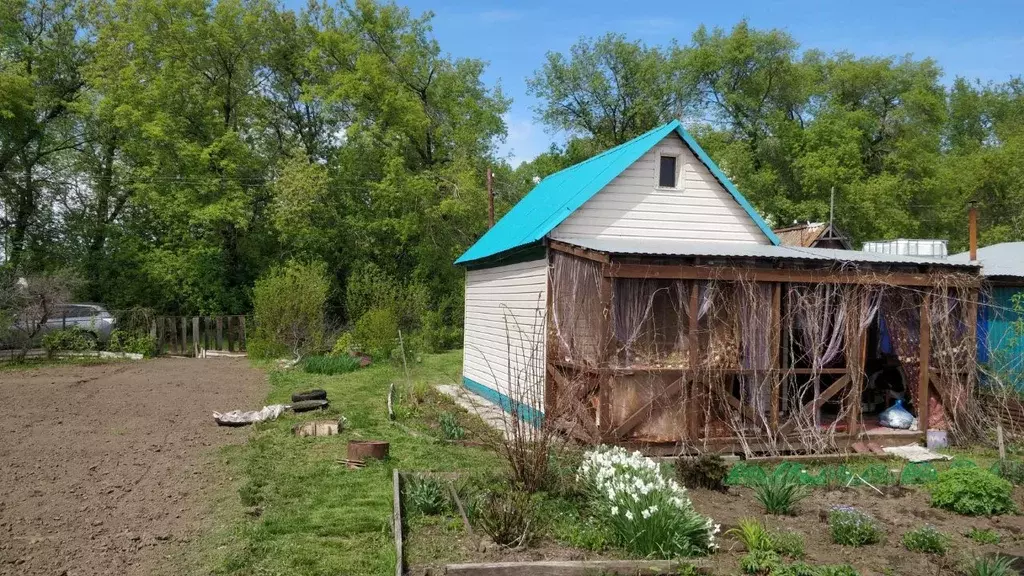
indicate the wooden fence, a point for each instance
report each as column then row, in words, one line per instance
column 189, row 335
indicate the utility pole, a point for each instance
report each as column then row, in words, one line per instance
column 972, row 229
column 831, row 206
column 490, row 197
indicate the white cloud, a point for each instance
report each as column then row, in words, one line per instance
column 524, row 142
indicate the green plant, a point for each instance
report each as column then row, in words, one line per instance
column 344, row 345
column 509, row 518
column 705, row 471
column 789, row 544
column 851, row 527
column 68, row 340
column 927, row 539
column 450, row 427
column 425, row 495
column 972, row 491
column 837, row 570
column 760, row 562
column 997, row 565
column 983, row 536
column 288, row 308
column 778, row 493
column 330, row 365
column 127, row 342
column 377, row 332
column 752, row 534
column 1010, row 470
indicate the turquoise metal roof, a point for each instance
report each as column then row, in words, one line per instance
column 562, row 193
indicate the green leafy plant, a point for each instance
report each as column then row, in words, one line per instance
column 68, row 340
column 927, row 539
column 450, row 427
column 972, row 491
column 705, row 471
column 803, row 569
column 425, row 495
column 997, row 565
column 752, row 534
column 377, row 332
column 789, row 544
column 330, row 365
column 345, row 345
column 1010, row 470
column 760, row 562
column 851, row 527
column 288, row 308
column 778, row 493
column 132, row 343
column 509, row 518
column 983, row 536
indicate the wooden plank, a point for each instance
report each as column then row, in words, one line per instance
column 220, row 335
column 579, row 252
column 396, row 522
column 606, row 347
column 230, row 338
column 776, row 344
column 692, row 343
column 644, row 412
column 730, row 273
column 196, row 342
column 575, row 568
column 158, row 330
column 924, row 358
column 241, row 333
column 183, row 346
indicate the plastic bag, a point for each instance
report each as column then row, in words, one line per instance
column 896, row 416
column 242, row 418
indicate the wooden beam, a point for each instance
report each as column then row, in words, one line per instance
column 924, row 357
column 776, row 351
column 576, row 568
column 815, row 405
column 693, row 342
column 606, row 347
column 579, row 252
column 732, row 273
column 644, row 412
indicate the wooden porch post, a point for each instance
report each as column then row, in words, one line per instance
column 924, row 355
column 606, row 348
column 776, row 351
column 694, row 358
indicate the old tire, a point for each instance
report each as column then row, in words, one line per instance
column 314, row 394
column 307, row 405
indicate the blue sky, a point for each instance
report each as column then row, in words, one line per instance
column 981, row 39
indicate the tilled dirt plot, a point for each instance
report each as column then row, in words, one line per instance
column 103, row 466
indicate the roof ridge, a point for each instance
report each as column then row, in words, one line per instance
column 612, row 149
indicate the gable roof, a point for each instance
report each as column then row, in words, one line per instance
column 1005, row 259
column 809, row 233
column 562, row 193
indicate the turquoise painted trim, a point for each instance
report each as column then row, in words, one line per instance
column 562, row 193
column 526, row 413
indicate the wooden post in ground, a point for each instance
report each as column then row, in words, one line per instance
column 605, row 349
column 924, row 356
column 692, row 343
column 241, row 333
column 220, row 333
column 195, row 336
column 184, row 336
column 776, row 350
column 396, row 522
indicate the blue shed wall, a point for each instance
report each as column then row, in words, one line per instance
column 1004, row 351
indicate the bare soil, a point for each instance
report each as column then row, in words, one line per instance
column 103, row 467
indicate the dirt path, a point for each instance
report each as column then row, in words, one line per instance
column 102, row 466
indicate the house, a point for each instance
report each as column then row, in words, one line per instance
column 814, row 235
column 1001, row 345
column 637, row 298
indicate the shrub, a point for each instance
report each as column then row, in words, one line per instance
column 991, row 566
column 984, row 536
column 127, row 342
column 425, row 495
column 756, row 537
column 851, row 527
column 330, row 365
column 68, row 340
column 761, row 562
column 705, row 471
column 288, row 306
column 648, row 514
column 972, row 492
column 369, row 287
column 345, row 345
column 377, row 332
column 1010, row 470
column 451, row 428
column 926, row 539
column 508, row 517
column 790, row 544
column 778, row 493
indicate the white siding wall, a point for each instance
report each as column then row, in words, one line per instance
column 632, row 205
column 505, row 329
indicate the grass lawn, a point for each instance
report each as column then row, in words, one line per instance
column 301, row 512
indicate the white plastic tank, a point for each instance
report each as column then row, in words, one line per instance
column 908, row 247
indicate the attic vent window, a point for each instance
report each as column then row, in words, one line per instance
column 667, row 172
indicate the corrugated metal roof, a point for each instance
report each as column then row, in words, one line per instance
column 659, row 247
column 562, row 193
column 1006, row 259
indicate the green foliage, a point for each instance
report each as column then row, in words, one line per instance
column 706, row 471
column 288, row 306
column 760, row 562
column 851, row 527
column 370, row 287
column 997, row 565
column 376, row 332
column 927, row 539
column 133, row 343
column 789, row 544
column 425, row 495
column 972, row 491
column 752, row 534
column 779, row 493
column 509, row 518
column 344, row 345
column 68, row 340
column 450, row 427
column 330, row 365
column 1010, row 470
column 983, row 535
